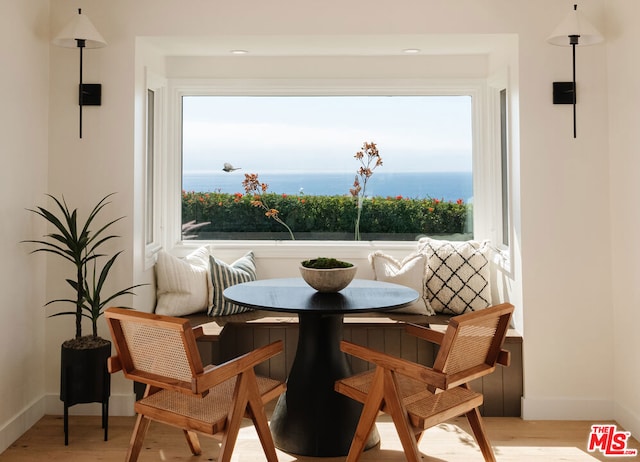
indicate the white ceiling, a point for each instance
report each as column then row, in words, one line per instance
column 330, row 45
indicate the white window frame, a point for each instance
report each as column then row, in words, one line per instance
column 498, row 82
column 486, row 172
column 154, row 206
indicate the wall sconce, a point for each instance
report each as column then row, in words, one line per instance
column 80, row 33
column 574, row 30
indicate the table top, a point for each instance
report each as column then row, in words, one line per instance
column 296, row 296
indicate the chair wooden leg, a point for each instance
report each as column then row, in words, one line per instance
column 139, row 430
column 137, row 438
column 400, row 418
column 193, row 442
column 368, row 417
column 259, row 418
column 475, row 420
column 234, row 418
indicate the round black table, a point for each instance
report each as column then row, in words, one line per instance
column 311, row 418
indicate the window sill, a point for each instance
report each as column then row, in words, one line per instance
column 299, row 249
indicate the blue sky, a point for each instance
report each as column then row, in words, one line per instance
column 267, row 133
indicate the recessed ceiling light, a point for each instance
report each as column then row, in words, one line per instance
column 239, row 52
column 411, row 51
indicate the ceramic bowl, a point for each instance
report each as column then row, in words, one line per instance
column 328, row 280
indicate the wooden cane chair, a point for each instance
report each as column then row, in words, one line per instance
column 161, row 352
column 419, row 397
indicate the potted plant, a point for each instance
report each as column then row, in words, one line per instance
column 83, row 373
column 327, row 274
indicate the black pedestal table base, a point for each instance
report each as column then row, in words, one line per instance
column 311, row 418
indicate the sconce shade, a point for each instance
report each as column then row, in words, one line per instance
column 79, row 28
column 575, row 24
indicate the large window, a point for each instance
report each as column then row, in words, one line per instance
column 305, row 180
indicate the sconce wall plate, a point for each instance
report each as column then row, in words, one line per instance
column 563, row 92
column 90, row 94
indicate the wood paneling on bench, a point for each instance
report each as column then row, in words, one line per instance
column 228, row 337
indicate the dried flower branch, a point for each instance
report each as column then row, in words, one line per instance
column 252, row 185
column 370, row 159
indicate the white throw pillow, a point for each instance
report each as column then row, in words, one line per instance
column 409, row 272
column 224, row 275
column 183, row 285
column 458, row 275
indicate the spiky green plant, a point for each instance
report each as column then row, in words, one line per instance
column 94, row 302
column 76, row 243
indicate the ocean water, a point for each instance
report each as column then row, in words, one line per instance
column 448, row 186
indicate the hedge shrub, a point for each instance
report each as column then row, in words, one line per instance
column 234, row 214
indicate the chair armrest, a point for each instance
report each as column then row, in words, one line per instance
column 215, row 375
column 425, row 333
column 504, row 357
column 113, row 364
column 401, row 366
column 198, row 332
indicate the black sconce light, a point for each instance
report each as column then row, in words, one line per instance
column 574, row 30
column 80, row 33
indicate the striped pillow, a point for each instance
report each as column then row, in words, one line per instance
column 224, row 275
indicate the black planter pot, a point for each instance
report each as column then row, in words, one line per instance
column 84, row 379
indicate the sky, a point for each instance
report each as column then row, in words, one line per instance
column 322, row 133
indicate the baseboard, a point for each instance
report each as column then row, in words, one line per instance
column 567, row 409
column 22, row 422
column 627, row 419
column 119, row 405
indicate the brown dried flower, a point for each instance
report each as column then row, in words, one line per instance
column 253, row 186
column 370, row 159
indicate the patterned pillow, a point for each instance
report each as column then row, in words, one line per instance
column 458, row 275
column 183, row 285
column 409, row 272
column 224, row 275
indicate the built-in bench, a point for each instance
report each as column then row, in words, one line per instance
column 226, row 337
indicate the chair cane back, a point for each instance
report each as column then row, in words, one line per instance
column 161, row 351
column 418, row 397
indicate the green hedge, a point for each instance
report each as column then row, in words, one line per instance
column 233, row 213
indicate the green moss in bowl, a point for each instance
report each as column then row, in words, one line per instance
column 326, row 263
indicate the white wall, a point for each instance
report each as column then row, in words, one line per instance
column 85, row 170
column 623, row 74
column 24, row 88
column 562, row 213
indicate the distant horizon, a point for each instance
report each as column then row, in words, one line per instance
column 441, row 185
column 241, row 170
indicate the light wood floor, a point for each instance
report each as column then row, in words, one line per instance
column 513, row 440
